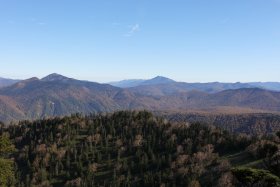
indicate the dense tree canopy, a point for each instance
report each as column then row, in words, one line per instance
column 6, row 164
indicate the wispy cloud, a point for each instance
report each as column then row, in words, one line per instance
column 41, row 23
column 38, row 22
column 132, row 30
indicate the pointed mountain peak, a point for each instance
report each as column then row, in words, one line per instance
column 161, row 78
column 158, row 80
column 55, row 77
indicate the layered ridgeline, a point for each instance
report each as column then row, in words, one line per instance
column 136, row 149
column 56, row 95
column 7, row 82
column 206, row 87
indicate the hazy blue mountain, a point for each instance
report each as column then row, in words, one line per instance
column 158, row 80
column 137, row 82
column 179, row 87
column 267, row 85
column 214, row 87
column 7, row 82
column 164, row 85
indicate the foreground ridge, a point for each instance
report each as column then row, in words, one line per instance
column 136, row 148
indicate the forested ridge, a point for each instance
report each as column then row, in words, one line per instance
column 134, row 149
column 250, row 123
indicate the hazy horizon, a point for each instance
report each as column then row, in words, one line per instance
column 129, row 79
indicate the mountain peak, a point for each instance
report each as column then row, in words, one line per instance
column 55, row 77
column 159, row 80
column 162, row 78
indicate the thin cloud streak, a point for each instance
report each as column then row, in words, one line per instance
column 133, row 29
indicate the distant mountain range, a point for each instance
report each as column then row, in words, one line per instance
column 139, row 82
column 210, row 87
column 7, row 82
column 57, row 95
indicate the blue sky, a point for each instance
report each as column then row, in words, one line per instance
column 102, row 40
